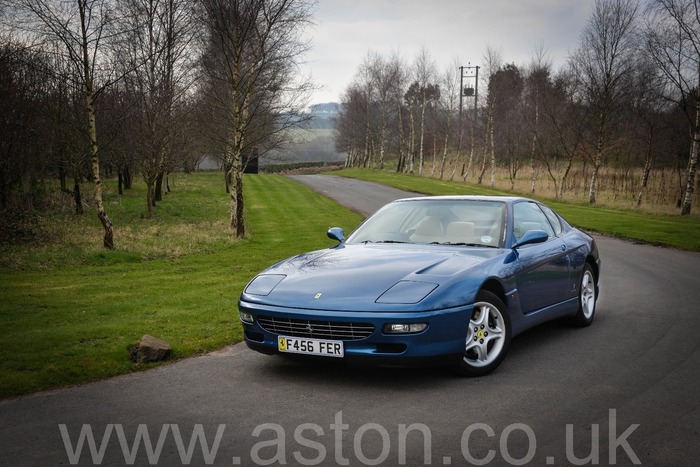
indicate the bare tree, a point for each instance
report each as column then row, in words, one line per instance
column 80, row 27
column 648, row 106
column 384, row 76
column 367, row 79
column 567, row 118
column 673, row 42
column 427, row 92
column 398, row 71
column 158, row 62
column 251, row 56
column 66, row 113
column 505, row 97
column 449, row 105
column 350, row 125
column 492, row 62
column 536, row 84
column 24, row 87
column 603, row 59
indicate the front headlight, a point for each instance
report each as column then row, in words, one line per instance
column 404, row 328
column 246, row 317
column 263, row 284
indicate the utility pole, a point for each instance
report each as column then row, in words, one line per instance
column 471, row 89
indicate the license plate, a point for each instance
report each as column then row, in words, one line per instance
column 305, row 346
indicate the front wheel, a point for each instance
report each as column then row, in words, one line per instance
column 488, row 336
column 587, row 298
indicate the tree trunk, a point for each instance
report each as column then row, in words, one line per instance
column 692, row 163
column 126, row 175
column 402, row 150
column 237, row 223
column 382, row 137
column 460, row 138
column 158, row 194
column 77, row 196
column 593, row 187
column 647, row 170
column 598, row 161
column 108, row 239
column 534, row 147
column 564, row 177
column 412, row 142
column 444, row 153
column 150, row 203
column 489, row 138
column 63, row 175
column 422, row 137
column 493, row 152
column 470, row 162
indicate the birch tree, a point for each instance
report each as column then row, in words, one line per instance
column 449, row 107
column 251, row 57
column 80, row 28
column 536, row 86
column 158, row 61
column 602, row 61
column 492, row 62
column 428, row 92
column 673, row 42
column 567, row 117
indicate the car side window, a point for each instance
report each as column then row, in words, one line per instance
column 528, row 216
column 553, row 219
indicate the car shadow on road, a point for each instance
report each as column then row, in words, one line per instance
column 528, row 352
column 325, row 373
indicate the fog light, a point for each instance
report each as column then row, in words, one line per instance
column 246, row 317
column 404, row 328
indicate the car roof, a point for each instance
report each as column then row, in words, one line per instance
column 504, row 199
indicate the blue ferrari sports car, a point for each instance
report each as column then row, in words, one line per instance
column 444, row 279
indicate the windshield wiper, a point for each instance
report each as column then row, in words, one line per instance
column 383, row 241
column 466, row 244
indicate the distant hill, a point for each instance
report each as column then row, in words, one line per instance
column 323, row 116
column 328, row 108
column 314, row 142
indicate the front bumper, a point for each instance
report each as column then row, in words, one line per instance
column 441, row 342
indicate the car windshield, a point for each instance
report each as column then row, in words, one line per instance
column 435, row 221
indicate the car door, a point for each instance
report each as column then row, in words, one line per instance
column 542, row 272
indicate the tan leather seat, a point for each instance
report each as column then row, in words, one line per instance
column 460, row 232
column 428, row 230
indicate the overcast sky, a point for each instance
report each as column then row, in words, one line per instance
column 346, row 30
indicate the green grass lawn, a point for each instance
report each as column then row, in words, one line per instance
column 69, row 313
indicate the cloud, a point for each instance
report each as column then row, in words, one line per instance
column 347, row 29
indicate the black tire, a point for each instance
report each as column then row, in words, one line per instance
column 488, row 336
column 586, row 298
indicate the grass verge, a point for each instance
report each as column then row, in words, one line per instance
column 69, row 309
column 665, row 230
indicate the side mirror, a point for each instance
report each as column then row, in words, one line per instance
column 530, row 237
column 337, row 234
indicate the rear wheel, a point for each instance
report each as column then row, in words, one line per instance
column 587, row 298
column 488, row 336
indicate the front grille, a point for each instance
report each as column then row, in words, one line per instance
column 315, row 329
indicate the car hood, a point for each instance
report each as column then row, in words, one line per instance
column 364, row 277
